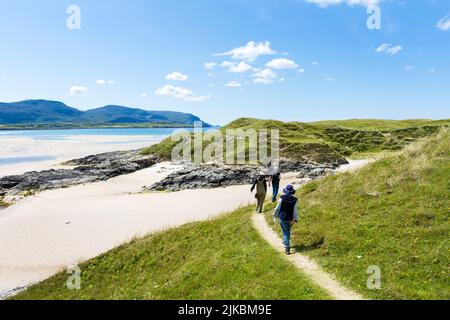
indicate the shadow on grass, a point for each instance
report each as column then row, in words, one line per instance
column 309, row 247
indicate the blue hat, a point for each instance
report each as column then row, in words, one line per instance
column 289, row 189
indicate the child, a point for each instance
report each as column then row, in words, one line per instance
column 287, row 214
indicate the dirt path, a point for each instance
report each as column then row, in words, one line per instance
column 305, row 264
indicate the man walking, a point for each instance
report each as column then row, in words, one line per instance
column 275, row 181
column 261, row 192
column 287, row 214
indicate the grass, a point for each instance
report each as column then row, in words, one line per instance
column 220, row 259
column 394, row 213
column 3, row 204
column 330, row 141
column 381, row 125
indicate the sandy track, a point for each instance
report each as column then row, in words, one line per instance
column 305, row 264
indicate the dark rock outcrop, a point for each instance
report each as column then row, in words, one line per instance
column 215, row 176
column 89, row 169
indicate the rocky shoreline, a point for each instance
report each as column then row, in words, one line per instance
column 89, row 169
column 105, row 166
column 217, row 176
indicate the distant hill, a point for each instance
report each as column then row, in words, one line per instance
column 32, row 112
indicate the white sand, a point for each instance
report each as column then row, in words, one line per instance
column 354, row 165
column 58, row 228
column 65, row 148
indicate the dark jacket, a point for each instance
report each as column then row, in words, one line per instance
column 286, row 209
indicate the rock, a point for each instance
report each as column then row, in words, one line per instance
column 207, row 176
column 217, row 176
column 89, row 169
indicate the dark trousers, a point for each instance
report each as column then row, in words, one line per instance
column 275, row 189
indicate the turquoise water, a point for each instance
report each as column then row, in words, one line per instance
column 62, row 134
column 17, row 160
column 137, row 135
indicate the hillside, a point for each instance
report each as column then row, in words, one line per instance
column 331, row 141
column 43, row 112
column 394, row 214
column 198, row 261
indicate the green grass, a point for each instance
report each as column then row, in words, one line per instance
column 381, row 125
column 220, row 259
column 330, row 141
column 3, row 204
column 394, row 213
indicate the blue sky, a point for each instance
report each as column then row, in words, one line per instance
column 299, row 60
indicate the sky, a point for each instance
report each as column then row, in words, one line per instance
column 292, row 60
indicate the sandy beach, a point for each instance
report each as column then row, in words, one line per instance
column 52, row 230
column 42, row 234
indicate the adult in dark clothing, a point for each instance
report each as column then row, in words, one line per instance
column 275, row 181
column 287, row 214
column 261, row 192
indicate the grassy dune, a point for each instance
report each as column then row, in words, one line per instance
column 219, row 259
column 381, row 125
column 331, row 141
column 395, row 214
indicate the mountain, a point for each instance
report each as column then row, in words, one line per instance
column 54, row 112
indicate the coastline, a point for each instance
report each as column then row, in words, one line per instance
column 45, row 233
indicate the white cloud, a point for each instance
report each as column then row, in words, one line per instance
column 241, row 68
column 444, row 23
column 330, row 79
column 78, row 90
column 282, row 63
column 394, row 50
column 301, row 70
column 315, row 63
column 210, row 65
column 431, row 70
column 327, row 3
column 266, row 76
column 409, row 67
column 179, row 93
column 227, row 64
column 233, row 84
column 250, row 52
column 103, row 82
column 177, row 76
column 198, row 98
column 144, row 95
column 383, row 47
column 389, row 49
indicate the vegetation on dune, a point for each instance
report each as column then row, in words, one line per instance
column 394, row 213
column 381, row 125
column 330, row 141
column 203, row 260
column 3, row 204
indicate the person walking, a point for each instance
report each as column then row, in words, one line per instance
column 286, row 212
column 275, row 181
column 261, row 192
